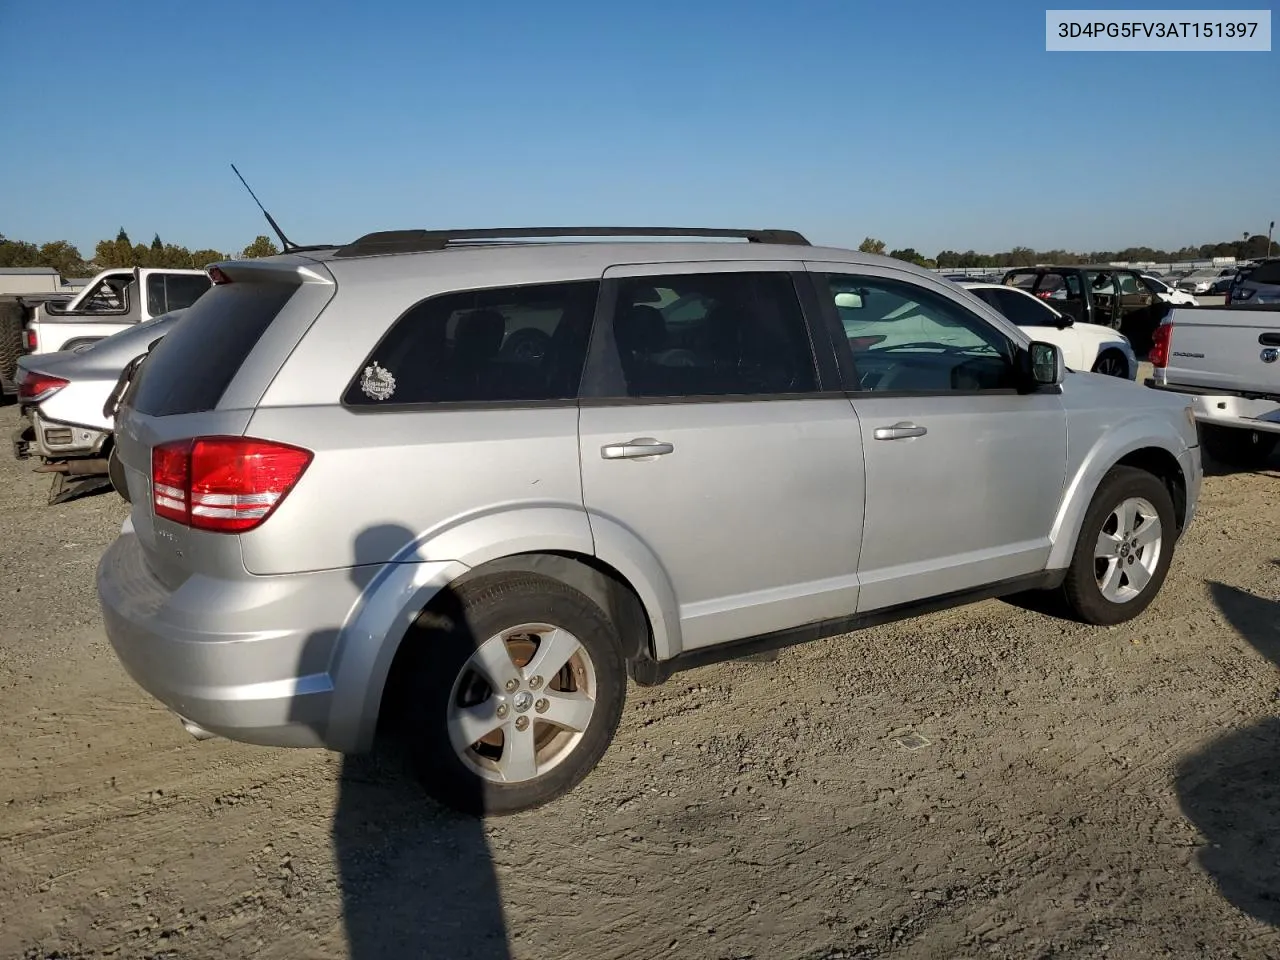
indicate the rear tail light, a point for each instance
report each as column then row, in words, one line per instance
column 34, row 387
column 31, row 341
column 1159, row 353
column 224, row 484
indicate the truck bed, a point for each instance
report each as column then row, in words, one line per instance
column 1230, row 351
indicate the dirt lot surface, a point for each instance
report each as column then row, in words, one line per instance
column 986, row 782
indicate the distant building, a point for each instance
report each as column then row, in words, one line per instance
column 36, row 280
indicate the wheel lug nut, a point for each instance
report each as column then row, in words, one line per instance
column 502, row 711
column 535, row 683
column 541, row 705
column 512, row 685
column 522, row 723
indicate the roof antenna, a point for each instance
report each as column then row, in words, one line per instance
column 287, row 245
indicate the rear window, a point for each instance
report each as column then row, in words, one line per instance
column 1023, row 310
column 191, row 367
column 508, row 344
column 1268, row 272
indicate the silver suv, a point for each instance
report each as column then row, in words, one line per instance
column 460, row 486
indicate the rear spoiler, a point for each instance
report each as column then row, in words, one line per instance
column 280, row 269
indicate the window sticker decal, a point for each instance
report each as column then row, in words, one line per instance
column 378, row 383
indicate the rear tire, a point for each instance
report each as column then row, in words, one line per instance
column 11, row 317
column 1236, row 446
column 455, row 688
column 1118, row 568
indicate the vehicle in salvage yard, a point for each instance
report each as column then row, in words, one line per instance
column 1179, row 298
column 1228, row 362
column 1085, row 346
column 113, row 301
column 1115, row 297
column 1256, row 284
column 61, row 397
column 363, row 515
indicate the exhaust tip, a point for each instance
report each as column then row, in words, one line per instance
column 197, row 731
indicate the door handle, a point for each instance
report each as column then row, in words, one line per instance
column 1269, row 339
column 641, row 448
column 900, row 431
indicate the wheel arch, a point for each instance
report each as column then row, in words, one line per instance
column 623, row 578
column 1108, row 351
column 1143, row 451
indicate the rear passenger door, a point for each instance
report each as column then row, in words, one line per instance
column 964, row 474
column 715, row 437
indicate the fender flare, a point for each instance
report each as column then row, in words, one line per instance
column 1113, row 446
column 388, row 606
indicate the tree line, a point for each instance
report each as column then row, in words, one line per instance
column 123, row 252
column 1248, row 247
column 120, row 252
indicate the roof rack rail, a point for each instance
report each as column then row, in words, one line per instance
column 415, row 241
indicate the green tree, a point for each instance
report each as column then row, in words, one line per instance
column 907, row 253
column 949, row 258
column 261, row 247
column 872, row 245
column 202, row 258
column 18, row 253
column 1022, row 257
column 156, row 245
column 120, row 252
column 64, row 258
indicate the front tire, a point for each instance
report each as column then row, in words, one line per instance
column 1112, row 364
column 514, row 694
column 1124, row 550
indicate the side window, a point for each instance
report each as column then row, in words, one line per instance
column 1058, row 286
column 167, row 292
column 907, row 338
column 156, row 295
column 184, row 289
column 108, row 296
column 1102, row 283
column 1128, row 284
column 713, row 334
column 508, row 344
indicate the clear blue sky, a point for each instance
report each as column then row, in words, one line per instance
column 928, row 125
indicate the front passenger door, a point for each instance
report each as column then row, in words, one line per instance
column 964, row 474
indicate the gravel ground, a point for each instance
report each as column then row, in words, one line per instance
column 991, row 781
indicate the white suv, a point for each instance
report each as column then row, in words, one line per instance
column 1084, row 346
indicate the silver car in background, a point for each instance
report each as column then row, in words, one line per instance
column 463, row 485
column 61, row 398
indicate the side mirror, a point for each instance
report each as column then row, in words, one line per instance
column 1044, row 365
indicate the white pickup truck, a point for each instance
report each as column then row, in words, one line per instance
column 1228, row 361
column 114, row 300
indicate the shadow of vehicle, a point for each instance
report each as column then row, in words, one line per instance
column 1228, row 451
column 1231, row 788
column 417, row 880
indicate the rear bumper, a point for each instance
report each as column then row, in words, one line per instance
column 39, row 436
column 1229, row 410
column 246, row 659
